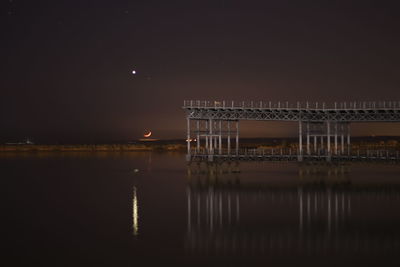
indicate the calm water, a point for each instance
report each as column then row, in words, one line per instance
column 95, row 210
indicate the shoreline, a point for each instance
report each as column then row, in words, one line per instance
column 376, row 142
column 91, row 148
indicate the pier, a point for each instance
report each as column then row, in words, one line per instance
column 213, row 129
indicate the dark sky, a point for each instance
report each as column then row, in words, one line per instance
column 66, row 65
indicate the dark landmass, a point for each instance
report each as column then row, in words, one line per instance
column 94, row 148
column 356, row 142
column 378, row 142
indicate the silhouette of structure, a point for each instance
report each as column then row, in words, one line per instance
column 324, row 131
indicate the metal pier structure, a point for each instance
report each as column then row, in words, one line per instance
column 324, row 130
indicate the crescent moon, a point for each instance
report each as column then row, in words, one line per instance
column 148, row 134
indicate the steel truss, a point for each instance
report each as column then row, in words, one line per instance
column 312, row 115
column 217, row 121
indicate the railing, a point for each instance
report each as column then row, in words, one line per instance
column 354, row 105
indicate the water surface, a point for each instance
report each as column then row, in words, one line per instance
column 152, row 209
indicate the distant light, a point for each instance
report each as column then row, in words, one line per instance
column 134, row 72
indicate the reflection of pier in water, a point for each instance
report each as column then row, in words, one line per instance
column 228, row 215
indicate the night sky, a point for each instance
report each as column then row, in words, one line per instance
column 67, row 65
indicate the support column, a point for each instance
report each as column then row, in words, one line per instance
column 348, row 139
column 308, row 138
column 188, row 139
column 198, row 136
column 206, row 147
column 215, row 131
column 342, row 137
column 220, row 137
column 211, row 145
column 328, row 139
column 210, row 136
column 315, row 144
column 237, row 137
column 300, row 156
column 336, row 146
column 322, row 141
column 229, row 138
